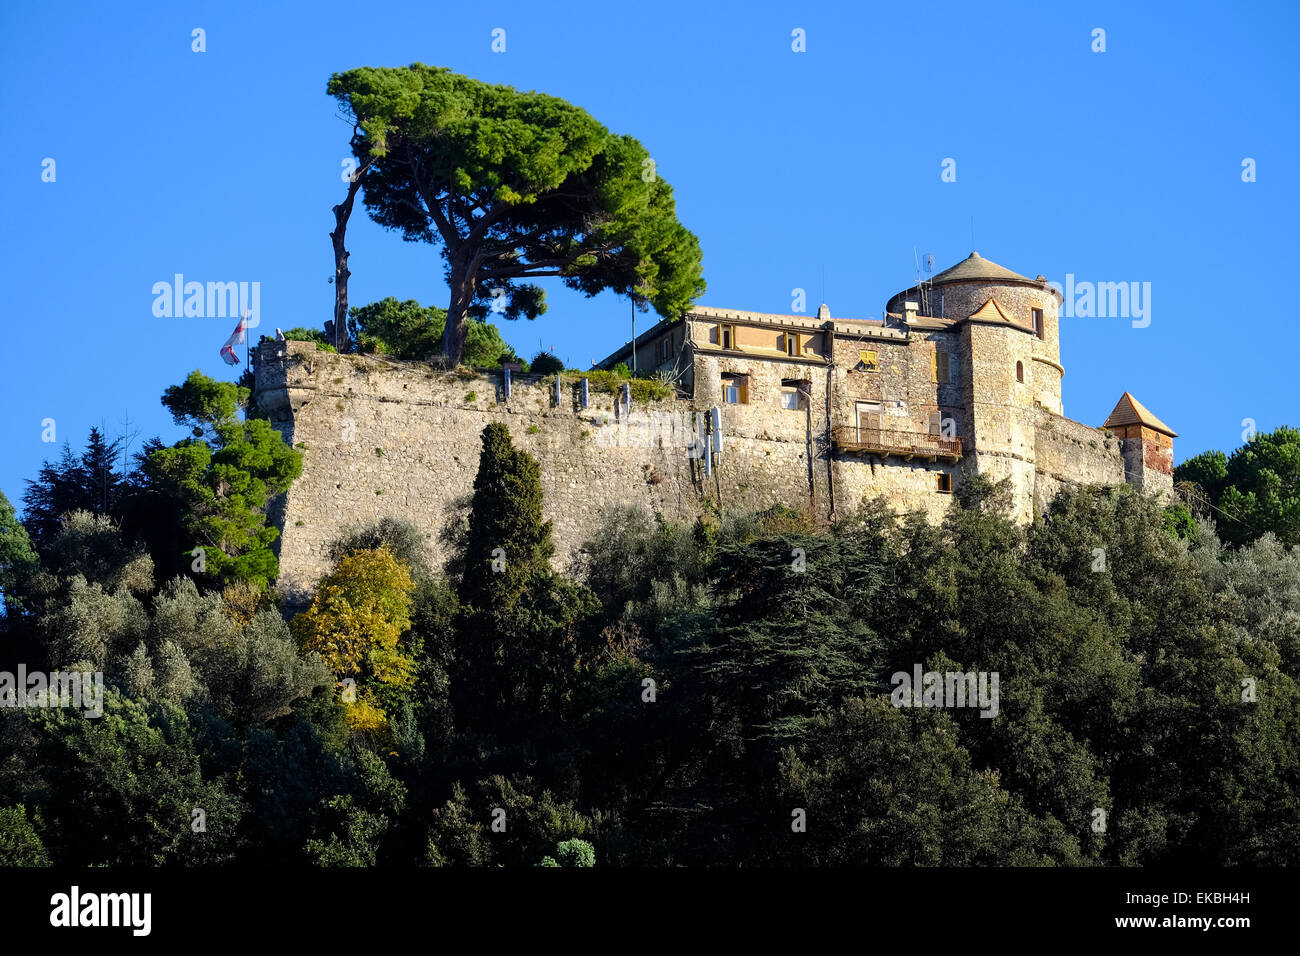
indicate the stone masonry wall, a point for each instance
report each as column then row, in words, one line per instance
column 1071, row 453
column 382, row 438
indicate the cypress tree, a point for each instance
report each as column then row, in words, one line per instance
column 508, row 541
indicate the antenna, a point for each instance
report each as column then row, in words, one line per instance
column 923, row 288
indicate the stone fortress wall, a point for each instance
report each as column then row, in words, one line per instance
column 384, row 438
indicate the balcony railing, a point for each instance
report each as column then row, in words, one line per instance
column 883, row 441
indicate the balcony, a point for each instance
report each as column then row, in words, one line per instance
column 865, row 439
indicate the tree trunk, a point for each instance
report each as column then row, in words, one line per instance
column 342, row 212
column 457, row 328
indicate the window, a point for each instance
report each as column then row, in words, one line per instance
column 943, row 483
column 727, row 337
column 1036, row 320
column 940, row 367
column 868, row 359
column 792, row 343
column 794, row 394
column 664, row 349
column 735, row 389
column 1020, row 372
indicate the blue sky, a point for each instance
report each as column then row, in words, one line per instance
column 1117, row 166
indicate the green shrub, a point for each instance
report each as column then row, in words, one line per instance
column 300, row 334
column 545, row 363
column 611, row 382
column 575, row 853
column 20, row 845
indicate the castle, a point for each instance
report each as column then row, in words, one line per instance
column 961, row 376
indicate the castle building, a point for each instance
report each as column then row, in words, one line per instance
column 961, row 376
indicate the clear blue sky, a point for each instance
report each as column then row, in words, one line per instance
column 1115, row 166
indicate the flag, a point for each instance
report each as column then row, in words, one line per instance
column 236, row 338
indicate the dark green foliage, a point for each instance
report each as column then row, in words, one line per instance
column 1256, row 490
column 575, row 853
column 534, row 821
column 301, row 334
column 523, row 630
column 351, row 828
column 89, row 482
column 1180, row 523
column 122, row 789
column 410, row 330
column 17, row 557
column 399, row 535
column 545, row 363
column 508, row 540
column 716, row 694
column 224, row 477
column 889, row 787
column 20, row 845
column 513, row 186
column 1209, row 470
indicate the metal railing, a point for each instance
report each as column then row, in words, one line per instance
column 883, row 441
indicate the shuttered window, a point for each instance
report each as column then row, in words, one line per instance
column 940, row 370
column 735, row 389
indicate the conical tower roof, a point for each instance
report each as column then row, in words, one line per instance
column 1129, row 411
column 975, row 267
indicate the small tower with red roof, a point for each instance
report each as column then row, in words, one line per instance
column 1147, row 444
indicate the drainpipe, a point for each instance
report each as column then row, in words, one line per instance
column 830, row 404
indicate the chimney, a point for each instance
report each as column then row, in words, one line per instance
column 824, row 311
column 909, row 312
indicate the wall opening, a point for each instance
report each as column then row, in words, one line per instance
column 794, row 394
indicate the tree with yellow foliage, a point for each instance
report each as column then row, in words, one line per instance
column 356, row 623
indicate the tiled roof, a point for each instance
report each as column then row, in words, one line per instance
column 990, row 311
column 1129, row 411
column 974, row 267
